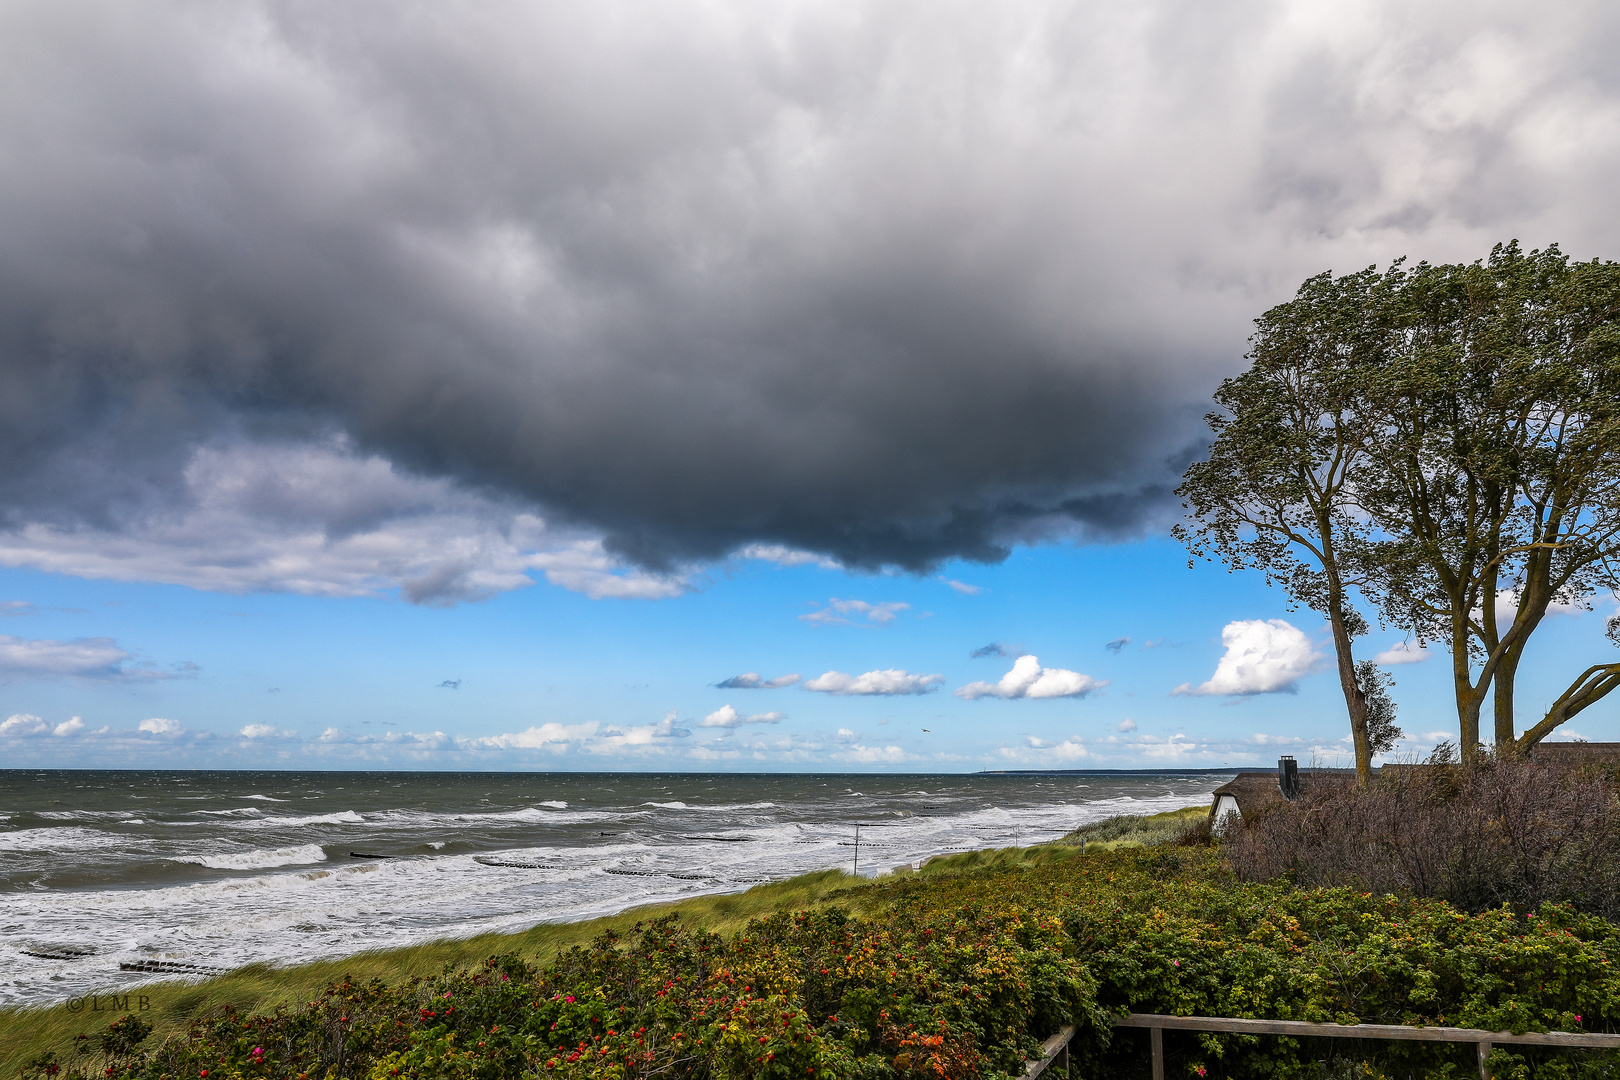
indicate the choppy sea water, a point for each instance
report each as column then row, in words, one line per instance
column 219, row 869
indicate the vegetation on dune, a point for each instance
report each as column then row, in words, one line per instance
column 1143, row 830
column 957, row 971
column 26, row 1033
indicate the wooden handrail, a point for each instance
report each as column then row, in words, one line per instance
column 1055, row 1051
column 1365, row 1031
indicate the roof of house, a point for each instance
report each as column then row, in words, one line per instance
column 1576, row 753
column 1254, row 790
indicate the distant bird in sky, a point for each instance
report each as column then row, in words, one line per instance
column 929, row 732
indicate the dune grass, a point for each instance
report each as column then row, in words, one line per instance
column 27, row 1032
column 1133, row 830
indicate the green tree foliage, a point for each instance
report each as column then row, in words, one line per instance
column 1382, row 732
column 1276, row 492
column 1492, row 474
column 1444, row 440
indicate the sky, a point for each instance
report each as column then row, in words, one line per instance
column 709, row 386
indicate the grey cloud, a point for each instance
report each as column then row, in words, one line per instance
column 751, row 680
column 890, row 285
column 996, row 648
column 82, row 658
column 1117, row 644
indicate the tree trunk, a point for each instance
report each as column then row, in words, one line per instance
column 1502, row 699
column 1469, row 697
column 1590, row 687
column 1354, row 699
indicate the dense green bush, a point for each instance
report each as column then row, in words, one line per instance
column 961, row 975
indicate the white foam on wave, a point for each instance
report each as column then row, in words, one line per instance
column 235, row 811
column 528, row 815
column 713, row 807
column 556, row 804
column 258, row 860
column 342, row 817
column 60, row 838
column 264, row 798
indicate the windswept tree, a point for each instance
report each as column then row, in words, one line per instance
column 1490, row 468
column 1291, row 433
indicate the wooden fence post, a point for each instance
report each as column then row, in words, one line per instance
column 1157, row 1037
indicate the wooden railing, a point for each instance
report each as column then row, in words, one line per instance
column 1055, row 1051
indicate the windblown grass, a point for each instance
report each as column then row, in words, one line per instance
column 1133, row 830
column 27, row 1032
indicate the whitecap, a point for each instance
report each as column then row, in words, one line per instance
column 556, row 804
column 343, row 817
column 258, row 860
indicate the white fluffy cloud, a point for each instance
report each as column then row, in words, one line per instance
column 158, row 725
column 750, row 680
column 265, row 731
column 26, row 725
column 549, row 736
column 872, row 755
column 1403, row 652
column 889, row 681
column 728, row 717
column 22, row 726
column 1126, row 725
column 1040, row 751
column 1263, row 656
column 1028, row 679
column 843, row 612
column 785, row 556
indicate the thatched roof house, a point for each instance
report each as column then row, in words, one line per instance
column 1247, row 793
column 1574, row 754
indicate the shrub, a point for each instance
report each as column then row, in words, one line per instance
column 1504, row 831
column 960, row 974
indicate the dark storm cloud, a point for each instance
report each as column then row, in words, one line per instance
column 890, row 282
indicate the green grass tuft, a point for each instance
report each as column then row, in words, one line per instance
column 1131, row 830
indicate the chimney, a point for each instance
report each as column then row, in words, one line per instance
column 1288, row 776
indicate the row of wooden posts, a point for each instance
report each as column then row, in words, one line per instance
column 1055, row 1051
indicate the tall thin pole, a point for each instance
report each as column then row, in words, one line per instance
column 857, row 849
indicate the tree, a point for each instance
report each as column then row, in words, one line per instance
column 1275, row 493
column 1382, row 733
column 1490, row 470
column 1444, row 441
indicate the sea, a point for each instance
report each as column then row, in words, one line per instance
column 109, row 879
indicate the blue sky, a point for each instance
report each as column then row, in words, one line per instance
column 479, row 386
column 287, row 669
